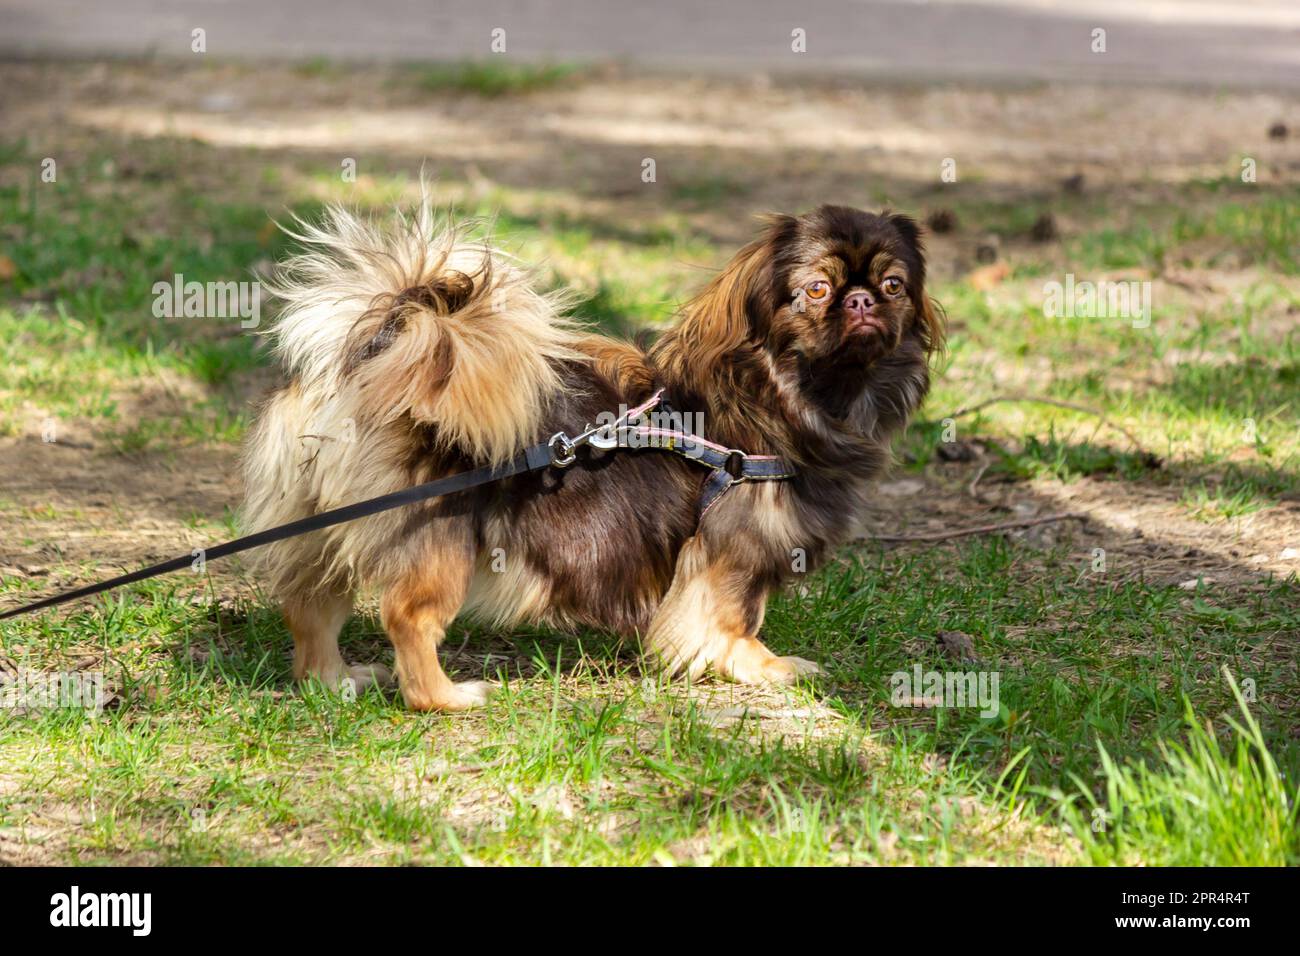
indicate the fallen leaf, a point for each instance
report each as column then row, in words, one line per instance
column 960, row 450
column 1044, row 228
column 987, row 277
column 957, row 645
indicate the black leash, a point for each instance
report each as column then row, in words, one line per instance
column 531, row 459
column 729, row 466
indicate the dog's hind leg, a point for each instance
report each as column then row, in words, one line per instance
column 416, row 610
column 709, row 620
column 315, row 621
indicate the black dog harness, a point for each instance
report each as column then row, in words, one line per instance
column 728, row 466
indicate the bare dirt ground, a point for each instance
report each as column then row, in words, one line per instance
column 766, row 143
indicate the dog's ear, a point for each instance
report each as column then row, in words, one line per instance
column 930, row 318
column 722, row 318
column 932, row 323
column 909, row 229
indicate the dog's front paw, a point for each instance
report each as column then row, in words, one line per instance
column 470, row 694
column 454, row 697
column 787, row 670
column 747, row 661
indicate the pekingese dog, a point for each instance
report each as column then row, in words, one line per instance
column 412, row 352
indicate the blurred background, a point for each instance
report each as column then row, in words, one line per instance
column 625, row 149
column 1202, row 41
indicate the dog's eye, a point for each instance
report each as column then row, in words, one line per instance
column 818, row 289
column 892, row 286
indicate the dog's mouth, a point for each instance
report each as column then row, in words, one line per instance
column 867, row 326
column 871, row 331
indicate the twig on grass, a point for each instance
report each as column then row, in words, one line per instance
column 1056, row 402
column 979, row 529
column 460, row 650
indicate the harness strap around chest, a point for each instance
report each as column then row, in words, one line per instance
column 728, row 466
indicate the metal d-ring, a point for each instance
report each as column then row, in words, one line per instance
column 734, row 464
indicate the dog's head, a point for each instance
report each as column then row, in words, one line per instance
column 837, row 289
column 847, row 286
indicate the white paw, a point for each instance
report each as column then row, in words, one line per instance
column 466, row 696
column 370, row 675
column 787, row 670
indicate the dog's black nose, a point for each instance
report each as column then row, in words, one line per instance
column 858, row 304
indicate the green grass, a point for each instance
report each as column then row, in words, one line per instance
column 1081, row 658
column 708, row 190
column 1203, row 803
column 1050, row 457
column 1224, row 500
column 581, row 761
column 491, row 78
column 209, row 754
column 584, row 758
column 1204, row 385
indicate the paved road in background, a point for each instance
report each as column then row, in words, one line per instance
column 1228, row 42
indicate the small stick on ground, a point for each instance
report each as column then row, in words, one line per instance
column 460, row 650
column 979, row 529
column 1058, row 403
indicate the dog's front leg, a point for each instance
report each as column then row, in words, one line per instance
column 709, row 619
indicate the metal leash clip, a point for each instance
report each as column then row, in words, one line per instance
column 564, row 450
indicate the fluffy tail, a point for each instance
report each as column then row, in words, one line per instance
column 413, row 318
column 386, row 328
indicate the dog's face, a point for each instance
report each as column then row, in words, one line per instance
column 833, row 302
column 847, row 288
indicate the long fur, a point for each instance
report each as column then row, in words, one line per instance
column 412, row 351
column 389, row 330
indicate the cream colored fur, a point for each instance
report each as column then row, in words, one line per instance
column 482, row 373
